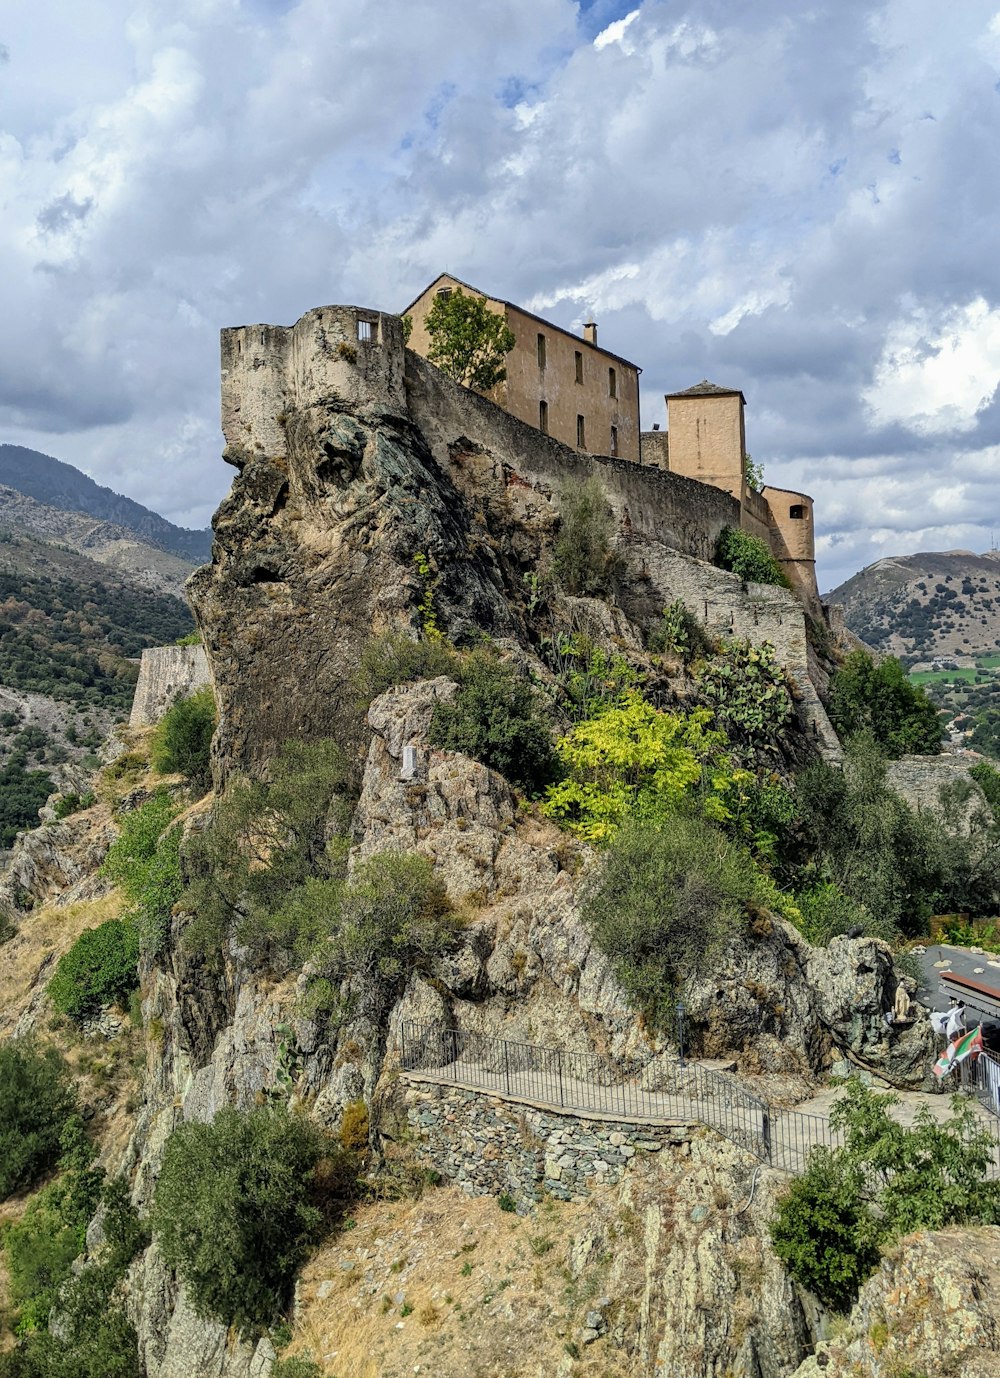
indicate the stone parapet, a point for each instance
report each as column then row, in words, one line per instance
column 489, row 1146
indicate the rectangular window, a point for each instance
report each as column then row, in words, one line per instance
column 612, row 383
column 581, row 438
column 579, row 367
column 541, row 351
column 797, row 513
column 614, row 439
column 364, row 332
column 543, row 415
column 444, row 292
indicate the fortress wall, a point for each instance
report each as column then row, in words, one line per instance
column 756, row 515
column 647, row 502
column 655, row 449
column 167, row 673
column 346, row 354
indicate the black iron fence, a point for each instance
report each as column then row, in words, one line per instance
column 582, row 1083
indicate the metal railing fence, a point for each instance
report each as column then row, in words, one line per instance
column 583, row 1083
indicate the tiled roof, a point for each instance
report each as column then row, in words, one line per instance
column 707, row 389
column 524, row 312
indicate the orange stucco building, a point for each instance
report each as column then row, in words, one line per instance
column 564, row 384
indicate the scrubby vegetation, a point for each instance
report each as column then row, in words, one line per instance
column 22, row 794
column 747, row 691
column 880, row 699
column 887, row 1180
column 99, row 969
column 239, row 1204
column 396, row 658
column 36, row 1100
column 583, row 558
column 145, row 861
column 497, row 718
column 666, row 900
column 680, row 634
column 749, row 557
column 183, row 739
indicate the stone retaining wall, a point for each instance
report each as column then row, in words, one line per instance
column 166, row 673
column 487, row 1146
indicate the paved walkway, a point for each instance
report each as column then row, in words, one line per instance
column 781, row 1138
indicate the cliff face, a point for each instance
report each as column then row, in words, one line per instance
column 353, row 460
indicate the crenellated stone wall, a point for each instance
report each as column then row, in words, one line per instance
column 488, row 1146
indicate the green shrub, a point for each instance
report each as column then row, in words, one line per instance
column 987, row 777
column 68, row 804
column 745, row 686
column 265, row 839
column 145, row 861
column 496, row 718
column 36, row 1100
column 101, row 968
column 825, row 1233
column 827, row 912
column 880, row 699
column 663, row 904
column 748, row 557
column 393, row 914
column 583, row 559
column 22, row 794
column 297, row 1367
column 233, row 1212
column 396, row 658
column 95, row 1338
column 182, row 742
column 886, row 1181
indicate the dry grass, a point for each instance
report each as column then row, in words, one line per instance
column 451, row 1286
column 29, row 958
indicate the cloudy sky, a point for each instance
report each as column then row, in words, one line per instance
column 798, row 199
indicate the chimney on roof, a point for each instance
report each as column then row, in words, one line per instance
column 590, row 332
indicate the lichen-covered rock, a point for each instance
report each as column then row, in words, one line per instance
column 932, row 1309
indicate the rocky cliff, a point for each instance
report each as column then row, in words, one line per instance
column 350, row 465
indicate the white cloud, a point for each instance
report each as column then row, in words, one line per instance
column 615, row 33
column 937, row 372
column 788, row 199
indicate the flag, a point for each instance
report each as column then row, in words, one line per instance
column 969, row 1045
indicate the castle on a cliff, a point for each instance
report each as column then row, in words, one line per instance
column 588, row 398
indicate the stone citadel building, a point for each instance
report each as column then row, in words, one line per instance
column 588, row 398
column 340, row 383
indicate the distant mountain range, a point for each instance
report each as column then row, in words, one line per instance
column 926, row 607
column 55, row 484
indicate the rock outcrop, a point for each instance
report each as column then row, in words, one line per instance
column 932, row 1309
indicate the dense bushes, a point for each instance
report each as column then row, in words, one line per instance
column 583, row 559
column 396, row 658
column 99, row 969
column 880, row 699
column 663, row 903
column 884, row 1182
column 680, row 633
column 36, row 1100
column 749, row 557
column 631, row 760
column 183, row 739
column 266, row 838
column 234, row 1211
column 496, row 718
column 22, row 794
column 94, row 1337
column 145, row 861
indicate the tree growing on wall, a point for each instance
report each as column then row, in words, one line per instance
column 469, row 342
